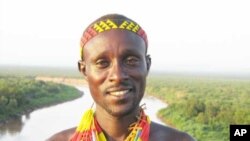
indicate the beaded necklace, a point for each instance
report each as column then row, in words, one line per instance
column 90, row 130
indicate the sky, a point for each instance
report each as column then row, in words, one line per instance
column 184, row 35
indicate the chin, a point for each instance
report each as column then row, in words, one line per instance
column 122, row 110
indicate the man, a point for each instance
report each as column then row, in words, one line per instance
column 115, row 64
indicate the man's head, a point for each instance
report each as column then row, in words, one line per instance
column 115, row 63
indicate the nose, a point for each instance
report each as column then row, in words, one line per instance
column 118, row 73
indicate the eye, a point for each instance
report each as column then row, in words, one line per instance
column 102, row 63
column 132, row 61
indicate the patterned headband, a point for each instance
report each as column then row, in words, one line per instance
column 109, row 24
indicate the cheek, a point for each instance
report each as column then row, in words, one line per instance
column 139, row 76
column 93, row 75
column 96, row 80
column 139, row 73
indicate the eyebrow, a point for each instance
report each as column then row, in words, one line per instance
column 134, row 50
column 100, row 55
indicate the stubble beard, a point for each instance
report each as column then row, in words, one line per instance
column 113, row 111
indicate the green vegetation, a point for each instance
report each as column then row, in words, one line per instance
column 203, row 107
column 24, row 94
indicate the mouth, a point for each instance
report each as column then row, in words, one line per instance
column 119, row 92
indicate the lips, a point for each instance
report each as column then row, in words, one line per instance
column 119, row 92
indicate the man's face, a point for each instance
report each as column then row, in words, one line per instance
column 116, row 70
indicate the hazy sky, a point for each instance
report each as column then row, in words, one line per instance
column 184, row 35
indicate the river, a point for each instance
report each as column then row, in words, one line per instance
column 42, row 123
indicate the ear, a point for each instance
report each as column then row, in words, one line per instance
column 148, row 61
column 82, row 67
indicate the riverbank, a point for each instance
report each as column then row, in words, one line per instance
column 202, row 106
column 22, row 95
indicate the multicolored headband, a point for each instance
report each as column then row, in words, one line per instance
column 105, row 25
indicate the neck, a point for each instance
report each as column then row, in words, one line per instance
column 115, row 128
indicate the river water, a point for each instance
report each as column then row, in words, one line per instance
column 42, row 123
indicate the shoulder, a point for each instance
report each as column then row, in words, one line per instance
column 62, row 135
column 165, row 133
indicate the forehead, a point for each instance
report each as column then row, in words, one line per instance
column 114, row 41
